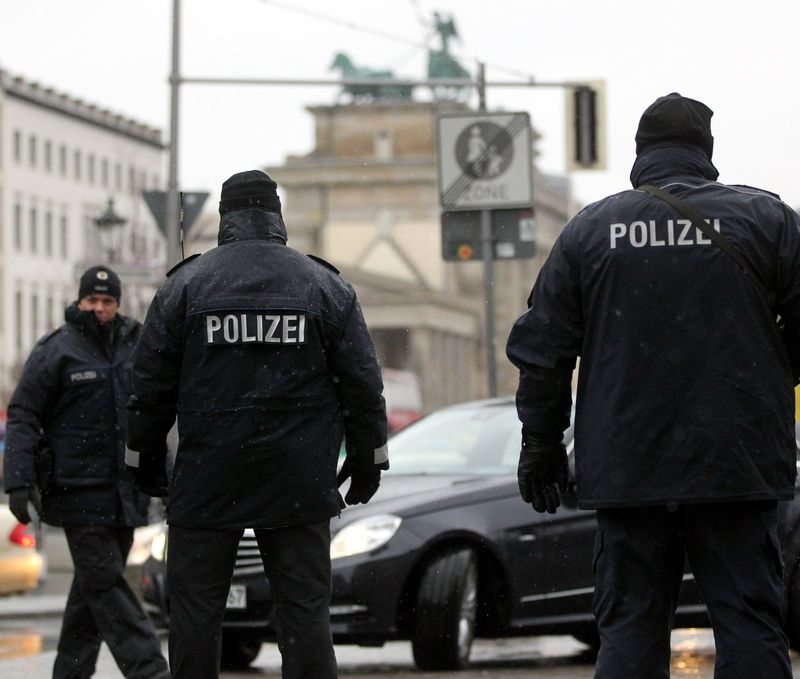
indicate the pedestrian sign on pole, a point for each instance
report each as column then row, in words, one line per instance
column 484, row 161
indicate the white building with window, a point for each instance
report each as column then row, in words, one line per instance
column 61, row 161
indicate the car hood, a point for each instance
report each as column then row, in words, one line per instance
column 408, row 495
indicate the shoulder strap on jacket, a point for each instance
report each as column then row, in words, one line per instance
column 324, row 263
column 181, row 263
column 719, row 240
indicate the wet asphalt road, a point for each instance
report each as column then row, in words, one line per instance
column 27, row 650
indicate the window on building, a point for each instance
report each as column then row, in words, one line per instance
column 34, row 228
column 62, row 160
column 48, row 233
column 32, row 150
column 17, row 146
column 131, row 180
column 104, row 173
column 77, row 164
column 118, row 176
column 90, row 168
column 63, row 236
column 48, row 156
column 48, row 314
column 17, row 226
column 18, row 320
column 34, row 316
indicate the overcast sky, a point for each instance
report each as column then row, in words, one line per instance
column 739, row 57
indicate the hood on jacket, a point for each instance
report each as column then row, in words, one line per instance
column 250, row 223
column 662, row 163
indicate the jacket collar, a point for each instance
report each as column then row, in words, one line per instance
column 85, row 323
column 249, row 224
column 660, row 164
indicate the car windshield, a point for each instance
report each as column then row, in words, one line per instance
column 481, row 440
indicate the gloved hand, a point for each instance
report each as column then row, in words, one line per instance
column 154, row 485
column 542, row 467
column 149, row 472
column 18, row 502
column 364, row 481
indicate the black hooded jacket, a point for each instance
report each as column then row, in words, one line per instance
column 264, row 355
column 685, row 389
column 71, row 399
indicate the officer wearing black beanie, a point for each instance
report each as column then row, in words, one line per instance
column 100, row 280
column 266, row 354
column 684, row 421
column 65, row 455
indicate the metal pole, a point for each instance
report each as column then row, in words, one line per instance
column 487, row 241
column 172, row 217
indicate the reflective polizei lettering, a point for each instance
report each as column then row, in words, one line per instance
column 640, row 234
column 255, row 328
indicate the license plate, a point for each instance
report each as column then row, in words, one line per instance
column 237, row 597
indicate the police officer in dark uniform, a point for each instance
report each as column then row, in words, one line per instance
column 65, row 441
column 684, row 437
column 264, row 355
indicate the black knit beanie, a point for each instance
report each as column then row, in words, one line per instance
column 100, row 280
column 674, row 120
column 252, row 188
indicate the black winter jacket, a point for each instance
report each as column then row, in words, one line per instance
column 71, row 398
column 685, row 389
column 264, row 354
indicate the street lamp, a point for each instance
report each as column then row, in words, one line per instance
column 109, row 226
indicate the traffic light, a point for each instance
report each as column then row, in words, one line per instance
column 585, row 109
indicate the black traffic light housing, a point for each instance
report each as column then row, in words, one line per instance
column 585, row 109
column 585, row 125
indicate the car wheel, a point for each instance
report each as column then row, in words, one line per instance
column 238, row 650
column 447, row 602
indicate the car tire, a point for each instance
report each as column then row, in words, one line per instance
column 447, row 604
column 238, row 650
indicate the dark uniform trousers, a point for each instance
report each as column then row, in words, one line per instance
column 734, row 553
column 101, row 607
column 297, row 563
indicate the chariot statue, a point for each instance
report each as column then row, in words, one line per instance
column 376, row 91
column 442, row 64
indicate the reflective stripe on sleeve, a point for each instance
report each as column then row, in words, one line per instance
column 382, row 454
column 132, row 457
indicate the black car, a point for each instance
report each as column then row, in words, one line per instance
column 447, row 551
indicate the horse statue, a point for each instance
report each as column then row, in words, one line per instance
column 442, row 64
column 372, row 91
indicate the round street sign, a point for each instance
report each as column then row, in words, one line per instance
column 484, row 150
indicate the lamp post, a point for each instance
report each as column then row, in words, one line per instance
column 109, row 226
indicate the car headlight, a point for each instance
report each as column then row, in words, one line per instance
column 364, row 535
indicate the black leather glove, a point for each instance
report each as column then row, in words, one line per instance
column 18, row 503
column 543, row 467
column 150, row 476
column 152, row 485
column 364, row 481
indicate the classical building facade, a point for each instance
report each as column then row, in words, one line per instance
column 366, row 199
column 61, row 161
